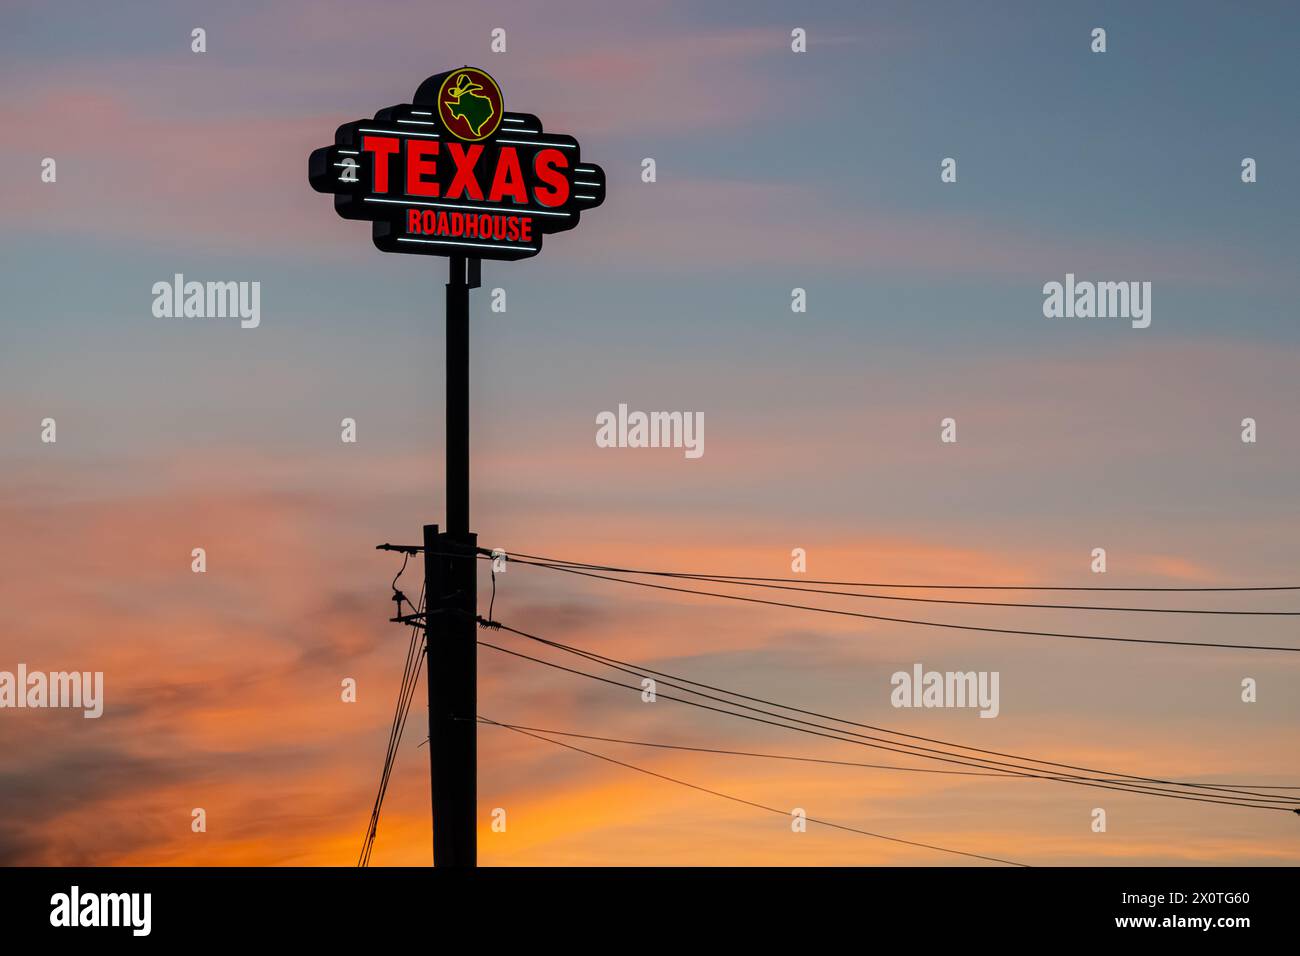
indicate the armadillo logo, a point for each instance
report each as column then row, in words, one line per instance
column 469, row 104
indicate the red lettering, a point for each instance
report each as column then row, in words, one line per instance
column 382, row 147
column 547, row 166
column 489, row 226
column 418, row 166
column 509, row 178
column 464, row 183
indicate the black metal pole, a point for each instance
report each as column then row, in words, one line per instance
column 457, row 398
column 451, row 587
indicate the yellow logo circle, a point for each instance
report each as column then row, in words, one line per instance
column 470, row 104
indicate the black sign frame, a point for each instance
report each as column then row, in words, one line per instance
column 456, row 180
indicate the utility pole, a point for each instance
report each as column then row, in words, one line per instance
column 451, row 608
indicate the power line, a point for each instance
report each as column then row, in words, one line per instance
column 406, row 692
column 1222, row 794
column 924, row 753
column 914, row 622
column 721, row 579
column 640, row 671
column 404, row 708
column 751, row 803
column 1130, row 784
column 960, row 760
column 747, row 753
column 926, row 587
column 824, row 760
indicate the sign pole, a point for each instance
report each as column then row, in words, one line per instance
column 451, row 587
column 458, row 286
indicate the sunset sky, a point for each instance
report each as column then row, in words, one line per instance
column 776, row 170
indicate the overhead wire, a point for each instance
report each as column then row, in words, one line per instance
column 406, row 692
column 1240, row 795
column 755, row 804
column 1029, row 605
column 824, row 760
column 945, row 625
column 928, row 587
column 1126, row 782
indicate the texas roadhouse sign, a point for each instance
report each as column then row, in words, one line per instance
column 453, row 173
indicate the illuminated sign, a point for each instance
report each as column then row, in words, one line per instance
column 453, row 173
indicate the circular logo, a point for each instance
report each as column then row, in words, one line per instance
column 469, row 104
